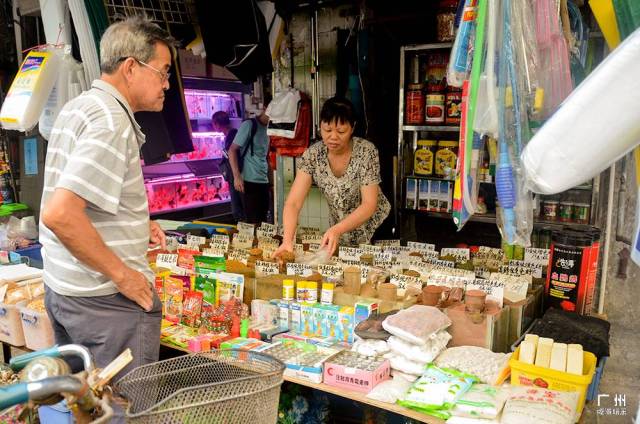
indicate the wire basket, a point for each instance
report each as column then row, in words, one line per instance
column 223, row 386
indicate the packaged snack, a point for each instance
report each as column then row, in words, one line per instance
column 186, row 258
column 437, row 390
column 229, row 286
column 416, row 324
column 209, row 263
column 173, row 299
column 191, row 309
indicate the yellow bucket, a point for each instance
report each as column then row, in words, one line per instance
column 523, row 374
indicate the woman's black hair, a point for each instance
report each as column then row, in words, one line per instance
column 338, row 109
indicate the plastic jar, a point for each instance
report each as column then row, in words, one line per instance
column 424, row 157
column 581, row 213
column 288, row 289
column 565, row 211
column 414, row 111
column 550, row 210
column 446, row 159
column 446, row 20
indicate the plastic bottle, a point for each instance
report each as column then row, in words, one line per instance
column 288, row 289
column 312, row 291
column 326, row 297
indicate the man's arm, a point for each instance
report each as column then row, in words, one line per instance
column 64, row 214
column 234, row 160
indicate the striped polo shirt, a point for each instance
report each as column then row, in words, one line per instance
column 94, row 151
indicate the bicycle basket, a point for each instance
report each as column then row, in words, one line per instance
column 223, row 386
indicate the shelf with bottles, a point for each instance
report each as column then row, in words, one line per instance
column 429, row 103
column 184, row 192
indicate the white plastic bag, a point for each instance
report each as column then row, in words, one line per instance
column 404, row 365
column 416, row 324
column 370, row 347
column 584, row 137
column 530, row 405
column 391, row 390
column 478, row 361
column 421, row 354
column 481, row 401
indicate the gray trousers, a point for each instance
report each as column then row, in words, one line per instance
column 107, row 325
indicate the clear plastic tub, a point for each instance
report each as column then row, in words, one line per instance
column 38, row 332
column 10, row 324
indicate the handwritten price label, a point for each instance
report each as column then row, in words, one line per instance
column 239, row 255
column 538, row 256
column 350, row 253
column 311, row 238
column 302, row 270
column 166, row 260
column 195, row 240
column 493, row 288
column 330, row 271
column 242, row 241
column 266, row 268
column 245, row 228
column 416, row 247
column 404, row 282
column 268, row 229
column 214, row 252
column 368, row 248
column 387, row 243
column 461, row 255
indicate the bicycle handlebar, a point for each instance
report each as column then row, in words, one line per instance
column 19, row 362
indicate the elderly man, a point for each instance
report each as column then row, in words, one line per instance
column 95, row 227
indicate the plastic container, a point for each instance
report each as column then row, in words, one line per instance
column 565, row 211
column 446, row 159
column 581, row 213
column 593, row 391
column 30, row 90
column 529, row 375
column 424, row 157
column 414, row 111
column 38, row 332
column 434, row 108
column 33, row 253
column 11, row 325
column 550, row 210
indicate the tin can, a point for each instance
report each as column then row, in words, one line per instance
column 453, row 112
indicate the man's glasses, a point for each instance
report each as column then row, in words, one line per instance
column 164, row 76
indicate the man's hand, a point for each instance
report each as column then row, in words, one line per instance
column 156, row 236
column 238, row 183
column 134, row 285
column 331, row 239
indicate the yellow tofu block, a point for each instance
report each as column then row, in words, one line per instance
column 527, row 352
column 543, row 352
column 575, row 359
column 559, row 357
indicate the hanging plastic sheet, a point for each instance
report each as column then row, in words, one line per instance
column 88, row 49
column 459, row 68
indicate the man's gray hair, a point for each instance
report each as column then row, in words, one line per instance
column 133, row 37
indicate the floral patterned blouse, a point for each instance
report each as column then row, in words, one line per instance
column 343, row 193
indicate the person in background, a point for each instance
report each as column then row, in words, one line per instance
column 347, row 171
column 95, row 228
column 221, row 123
column 252, row 179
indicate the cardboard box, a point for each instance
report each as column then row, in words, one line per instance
column 412, row 194
column 423, row 195
column 434, row 196
column 330, row 320
column 296, row 317
column 363, row 310
column 345, row 325
column 308, row 319
column 192, row 65
column 284, row 321
column 445, row 196
column 356, row 379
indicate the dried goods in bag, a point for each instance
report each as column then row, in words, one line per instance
column 416, row 324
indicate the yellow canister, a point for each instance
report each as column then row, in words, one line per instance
column 446, row 159
column 424, row 157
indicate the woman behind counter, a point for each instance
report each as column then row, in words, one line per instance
column 347, row 171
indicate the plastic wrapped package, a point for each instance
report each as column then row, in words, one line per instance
column 483, row 363
column 409, row 377
column 437, row 390
column 391, row 390
column 481, row 401
column 529, row 405
column 421, row 354
column 416, row 324
column 370, row 347
column 460, row 64
column 404, row 365
column 562, row 154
